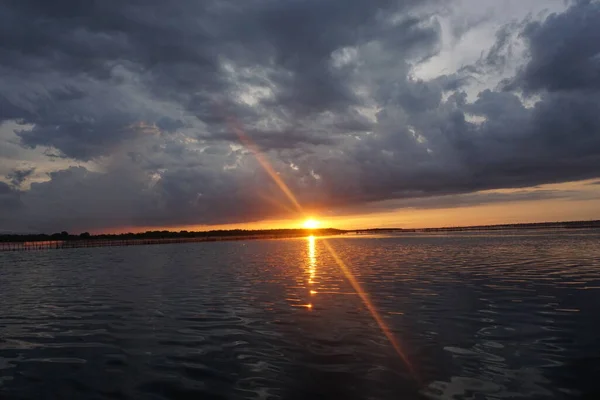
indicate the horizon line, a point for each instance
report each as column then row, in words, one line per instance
column 184, row 231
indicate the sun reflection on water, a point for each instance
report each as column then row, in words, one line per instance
column 311, row 266
column 312, row 260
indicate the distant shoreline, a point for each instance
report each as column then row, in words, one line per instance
column 594, row 224
column 64, row 240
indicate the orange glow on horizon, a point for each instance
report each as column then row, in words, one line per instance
column 311, row 224
column 544, row 210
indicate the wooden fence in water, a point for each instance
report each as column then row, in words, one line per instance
column 81, row 243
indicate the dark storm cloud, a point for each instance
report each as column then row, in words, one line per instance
column 502, row 49
column 442, row 153
column 564, row 50
column 69, row 66
column 301, row 36
column 18, row 176
column 282, row 139
column 175, row 51
column 148, row 90
column 90, row 37
column 9, row 198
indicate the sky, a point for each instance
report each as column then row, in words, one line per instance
column 129, row 115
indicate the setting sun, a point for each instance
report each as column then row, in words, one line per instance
column 311, row 223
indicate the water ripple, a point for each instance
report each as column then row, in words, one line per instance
column 481, row 316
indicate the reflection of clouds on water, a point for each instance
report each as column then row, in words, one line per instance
column 510, row 354
column 491, row 315
column 463, row 388
column 485, row 368
column 488, row 374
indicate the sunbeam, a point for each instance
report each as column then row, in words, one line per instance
column 247, row 142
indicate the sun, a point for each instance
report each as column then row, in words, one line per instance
column 311, row 223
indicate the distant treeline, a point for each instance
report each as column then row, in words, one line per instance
column 240, row 233
column 65, row 236
column 538, row 225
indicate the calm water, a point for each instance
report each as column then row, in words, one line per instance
column 479, row 316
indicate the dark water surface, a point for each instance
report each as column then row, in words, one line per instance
column 479, row 316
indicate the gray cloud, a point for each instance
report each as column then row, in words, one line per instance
column 472, row 199
column 145, row 90
column 564, row 51
column 9, row 198
column 18, row 176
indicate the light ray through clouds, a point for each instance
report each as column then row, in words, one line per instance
column 236, row 126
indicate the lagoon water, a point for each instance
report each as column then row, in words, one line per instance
column 477, row 315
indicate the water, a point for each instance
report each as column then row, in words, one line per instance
column 479, row 316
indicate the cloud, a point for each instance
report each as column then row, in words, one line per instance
column 564, row 51
column 18, row 176
column 142, row 92
column 9, row 198
column 470, row 200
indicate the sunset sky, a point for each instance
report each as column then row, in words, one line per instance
column 123, row 115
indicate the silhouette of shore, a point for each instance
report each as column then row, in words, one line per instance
column 62, row 240
column 595, row 224
column 65, row 240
